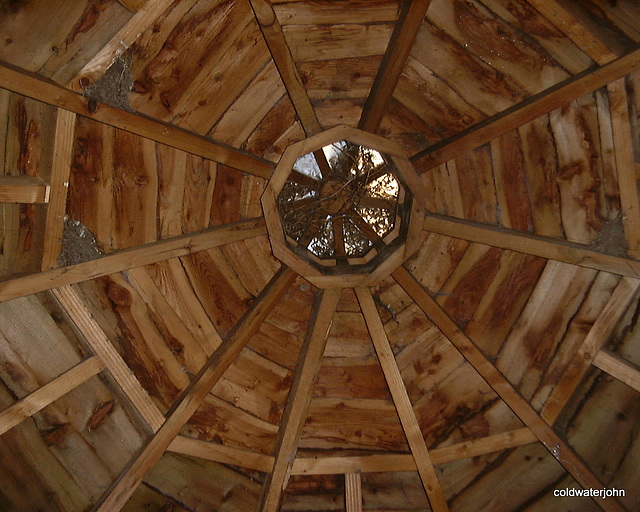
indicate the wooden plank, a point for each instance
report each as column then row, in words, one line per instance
column 562, row 452
column 23, row 189
column 130, row 258
column 400, row 396
column 393, row 62
column 400, row 462
column 570, row 26
column 133, row 5
column 121, row 490
column 299, row 397
column 223, row 454
column 97, row 340
column 599, row 333
column 59, row 183
column 526, row 111
column 274, row 37
column 353, row 492
column 33, row 86
column 618, row 368
column 553, row 249
column 625, row 165
column 49, row 393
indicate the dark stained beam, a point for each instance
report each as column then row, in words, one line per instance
column 121, row 490
column 393, row 62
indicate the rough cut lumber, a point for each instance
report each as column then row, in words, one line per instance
column 59, row 184
column 393, row 62
column 526, row 111
column 299, row 398
column 553, row 249
column 97, row 340
column 400, row 396
column 562, row 452
column 593, row 341
column 130, row 258
column 23, row 189
column 35, row 87
column 353, row 492
column 618, row 368
column 119, row 493
column 133, row 5
column 49, row 393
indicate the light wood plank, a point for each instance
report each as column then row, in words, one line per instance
column 49, row 393
column 562, row 452
column 35, row 87
column 518, row 241
column 407, row 416
column 393, row 62
column 98, row 341
column 59, row 184
column 625, row 165
column 615, row 308
column 299, row 397
column 353, row 492
column 23, row 189
column 119, row 493
column 526, row 111
column 618, row 368
column 222, row 454
column 145, row 254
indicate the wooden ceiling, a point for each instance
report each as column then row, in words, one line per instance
column 187, row 369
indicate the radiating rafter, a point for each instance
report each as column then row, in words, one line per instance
column 560, row 450
column 46, row 91
column 393, row 62
column 121, row 490
column 145, row 254
column 534, row 245
column 597, row 336
column 401, row 400
column 299, row 397
column 526, row 111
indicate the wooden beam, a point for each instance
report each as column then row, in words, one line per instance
column 223, row 454
column 98, row 341
column 400, row 397
column 40, row 89
column 145, row 254
column 562, row 452
column 393, row 62
column 23, row 189
column 133, row 5
column 574, row 29
column 127, row 482
column 49, row 393
column 618, row 368
column 526, row 111
column 274, row 37
column 625, row 164
column 59, row 184
column 615, row 308
column 382, row 463
column 299, row 397
column 353, row 492
column 525, row 243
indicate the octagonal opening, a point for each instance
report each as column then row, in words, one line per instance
column 343, row 207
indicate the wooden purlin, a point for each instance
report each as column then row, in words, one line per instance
column 40, row 89
column 401, row 400
column 23, row 189
column 526, row 111
column 119, row 493
column 393, row 62
column 618, row 368
column 534, row 245
column 145, row 254
column 560, row 450
column 299, row 398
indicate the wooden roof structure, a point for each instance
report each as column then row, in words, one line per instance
column 155, row 355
